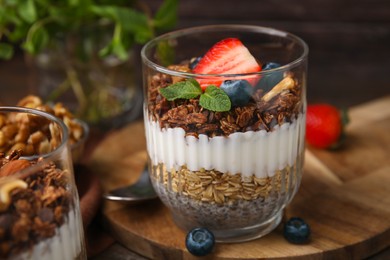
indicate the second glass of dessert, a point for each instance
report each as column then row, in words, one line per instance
column 224, row 115
column 40, row 215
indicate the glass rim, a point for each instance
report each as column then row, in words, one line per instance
column 228, row 27
column 65, row 137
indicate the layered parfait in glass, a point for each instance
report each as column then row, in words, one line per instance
column 224, row 115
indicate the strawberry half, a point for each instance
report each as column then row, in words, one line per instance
column 228, row 56
column 325, row 125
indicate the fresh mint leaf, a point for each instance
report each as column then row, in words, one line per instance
column 215, row 99
column 183, row 89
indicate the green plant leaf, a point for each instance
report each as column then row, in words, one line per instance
column 74, row 2
column 37, row 41
column 215, row 99
column 19, row 20
column 120, row 51
column 131, row 20
column 142, row 37
column 117, row 46
column 8, row 15
column 6, row 51
column 18, row 33
column 27, row 10
column 183, row 89
column 61, row 15
column 166, row 17
column 107, row 50
column 11, row 2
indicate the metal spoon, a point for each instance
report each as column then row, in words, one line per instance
column 135, row 193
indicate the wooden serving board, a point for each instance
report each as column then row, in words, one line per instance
column 344, row 196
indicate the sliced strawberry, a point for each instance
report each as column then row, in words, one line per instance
column 228, row 56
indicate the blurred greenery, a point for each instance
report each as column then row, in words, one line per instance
column 83, row 40
column 33, row 24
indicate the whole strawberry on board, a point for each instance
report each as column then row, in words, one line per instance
column 325, row 126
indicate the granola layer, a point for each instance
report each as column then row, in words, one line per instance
column 264, row 111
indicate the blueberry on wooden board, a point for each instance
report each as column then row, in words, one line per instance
column 296, row 231
column 200, row 241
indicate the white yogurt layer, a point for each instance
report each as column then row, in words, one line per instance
column 66, row 244
column 259, row 153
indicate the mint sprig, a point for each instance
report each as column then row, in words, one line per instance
column 213, row 98
column 183, row 89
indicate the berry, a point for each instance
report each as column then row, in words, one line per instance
column 200, row 241
column 228, row 56
column 324, row 126
column 296, row 231
column 239, row 91
column 268, row 81
column 194, row 62
column 271, row 65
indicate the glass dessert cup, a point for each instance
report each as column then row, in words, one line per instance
column 39, row 206
column 231, row 171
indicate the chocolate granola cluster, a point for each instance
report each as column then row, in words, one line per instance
column 32, row 208
column 262, row 112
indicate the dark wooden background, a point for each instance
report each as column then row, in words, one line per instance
column 349, row 41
